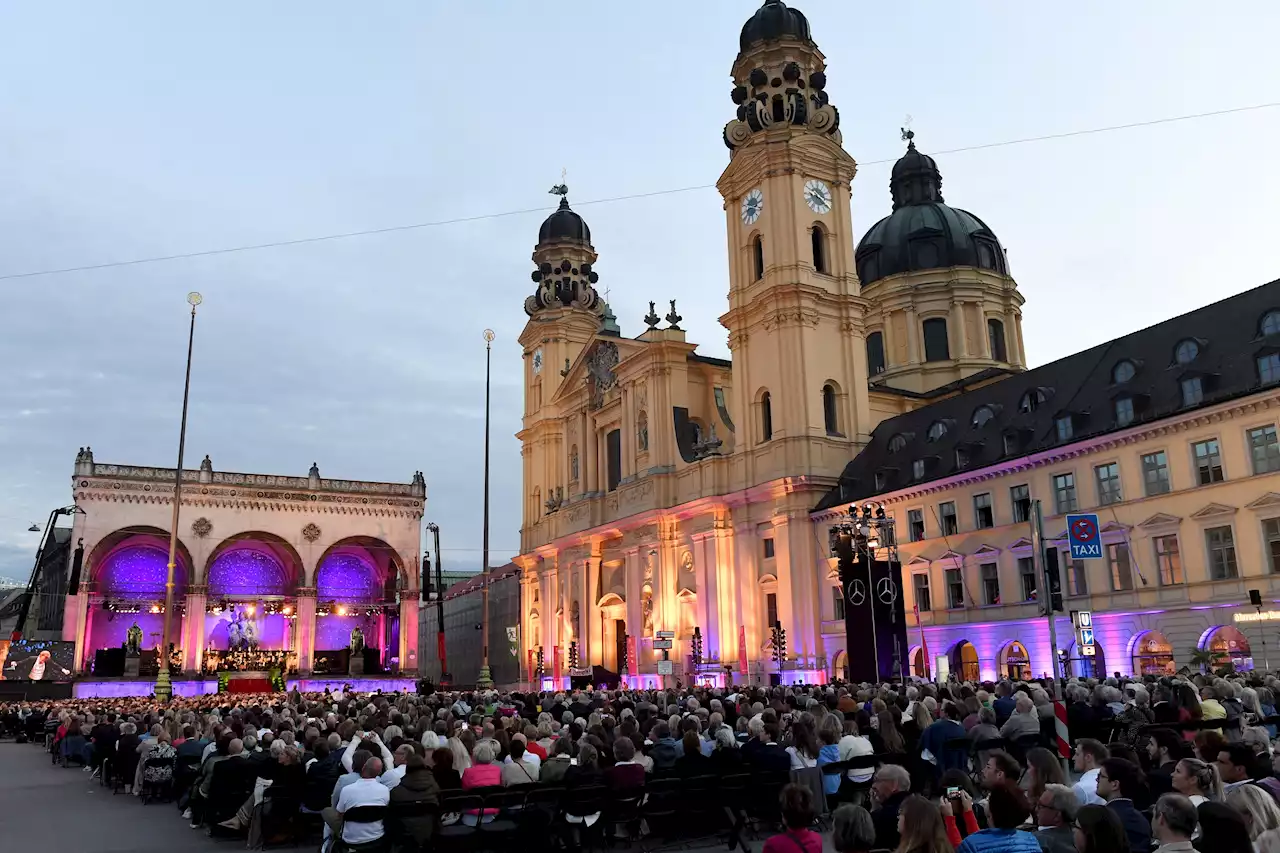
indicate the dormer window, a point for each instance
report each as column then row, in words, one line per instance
column 1186, row 351
column 1065, row 427
column 1192, row 391
column 898, row 442
column 1032, row 399
column 937, row 430
column 882, row 478
column 1010, row 443
column 1270, row 323
column 917, row 469
column 1124, row 411
column 962, row 457
column 982, row 415
column 1123, row 372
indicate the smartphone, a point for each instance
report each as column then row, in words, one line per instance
column 953, row 792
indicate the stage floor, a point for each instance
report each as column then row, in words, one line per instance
column 91, row 688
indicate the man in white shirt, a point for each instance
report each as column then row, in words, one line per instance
column 1090, row 754
column 368, row 791
column 529, row 757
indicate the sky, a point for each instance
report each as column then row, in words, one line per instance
column 133, row 130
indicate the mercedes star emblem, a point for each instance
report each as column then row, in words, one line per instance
column 857, row 593
column 887, row 590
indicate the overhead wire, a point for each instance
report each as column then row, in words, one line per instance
column 414, row 226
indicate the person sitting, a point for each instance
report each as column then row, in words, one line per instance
column 1088, row 760
column 797, row 816
column 890, row 788
column 920, row 828
column 587, row 770
column 1055, row 816
column 762, row 752
column 726, row 757
column 853, row 831
column 1119, row 782
column 442, row 770
column 946, row 728
column 1235, row 765
column 1173, row 822
column 417, row 787
column 665, row 749
column 483, row 773
column 1098, row 830
column 805, row 748
column 161, row 748
column 626, row 772
column 1024, row 722
column 368, row 791
column 1261, row 816
column 1164, row 749
column 1001, row 767
column 1222, row 830
column 553, row 769
column 1007, row 809
column 516, row 770
column 692, row 762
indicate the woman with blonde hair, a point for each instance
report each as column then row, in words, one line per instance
column 1198, row 781
column 920, row 828
column 1261, row 816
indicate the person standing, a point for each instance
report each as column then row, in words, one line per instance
column 1090, row 754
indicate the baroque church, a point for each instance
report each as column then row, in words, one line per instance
column 670, row 493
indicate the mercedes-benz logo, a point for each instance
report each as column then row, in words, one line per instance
column 887, row 590
column 857, row 593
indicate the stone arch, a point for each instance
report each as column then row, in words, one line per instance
column 610, row 599
column 1151, row 653
column 964, row 661
column 225, row 572
column 107, row 557
column 342, row 559
column 916, row 665
column 1087, row 667
column 1228, row 640
column 840, row 665
column 1013, row 661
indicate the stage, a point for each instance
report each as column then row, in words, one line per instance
column 91, row 688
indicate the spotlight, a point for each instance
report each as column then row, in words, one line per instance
column 251, row 609
column 342, row 611
column 155, row 608
column 287, row 610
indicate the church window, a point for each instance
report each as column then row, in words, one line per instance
column 829, row 409
column 935, row 340
column 757, row 256
column 987, row 255
column 766, row 417
column 995, row 340
column 1270, row 324
column 613, row 456
column 1123, row 372
column 819, row 240
column 875, row 353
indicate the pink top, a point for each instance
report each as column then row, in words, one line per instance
column 794, row 841
column 482, row 776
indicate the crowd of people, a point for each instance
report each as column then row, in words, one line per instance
column 1167, row 764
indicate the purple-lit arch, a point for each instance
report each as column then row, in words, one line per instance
column 1228, row 640
column 964, row 661
column 360, row 569
column 1152, row 654
column 133, row 563
column 253, row 564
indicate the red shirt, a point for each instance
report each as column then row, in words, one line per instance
column 794, row 841
column 532, row 746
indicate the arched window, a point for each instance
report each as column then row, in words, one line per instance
column 995, row 340
column 819, row 240
column 935, row 340
column 1123, row 372
column 757, row 257
column 1032, row 400
column 937, row 430
column 1270, row 324
column 829, row 418
column 1186, row 351
column 766, row 417
column 875, row 353
column 897, row 442
column 981, row 415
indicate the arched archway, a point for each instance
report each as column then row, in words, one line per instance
column 1088, row 667
column 917, row 665
column 964, row 661
column 374, row 553
column 356, row 581
column 253, row 564
column 1226, row 643
column 1014, row 662
column 1152, row 654
column 840, row 666
column 127, row 571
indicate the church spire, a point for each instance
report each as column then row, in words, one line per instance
column 915, row 178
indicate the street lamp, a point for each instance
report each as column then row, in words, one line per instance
column 485, row 680
column 164, row 686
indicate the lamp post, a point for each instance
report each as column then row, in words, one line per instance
column 485, row 681
column 164, row 687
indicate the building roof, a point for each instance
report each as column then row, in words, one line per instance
column 774, row 21
column 496, row 573
column 564, row 225
column 1218, row 345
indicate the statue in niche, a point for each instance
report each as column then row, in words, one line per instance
column 573, row 464
column 646, row 607
column 642, row 432
column 573, row 620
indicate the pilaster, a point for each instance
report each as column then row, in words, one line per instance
column 306, row 622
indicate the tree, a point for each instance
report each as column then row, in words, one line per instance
column 1204, row 659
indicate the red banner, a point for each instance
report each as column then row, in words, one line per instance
column 924, row 644
column 633, row 659
column 555, row 664
column 742, row 651
column 532, row 674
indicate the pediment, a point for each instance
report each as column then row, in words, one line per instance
column 1267, row 501
column 985, row 550
column 1213, row 510
column 950, row 555
column 1061, row 537
column 919, row 560
column 1114, row 527
column 614, row 350
column 686, row 594
column 1022, row 543
column 1162, row 519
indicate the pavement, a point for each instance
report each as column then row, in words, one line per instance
column 49, row 809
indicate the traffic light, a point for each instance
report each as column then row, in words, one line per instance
column 1055, row 580
column 538, row 669
column 624, row 661
column 695, row 646
column 573, row 654
column 779, row 643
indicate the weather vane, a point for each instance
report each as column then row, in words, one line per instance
column 907, row 133
column 562, row 188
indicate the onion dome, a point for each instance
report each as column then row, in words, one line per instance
column 924, row 233
column 774, row 21
column 564, row 226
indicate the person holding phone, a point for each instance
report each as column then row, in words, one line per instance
column 956, row 798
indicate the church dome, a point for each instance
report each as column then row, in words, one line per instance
column 774, row 21
column 923, row 232
column 564, row 226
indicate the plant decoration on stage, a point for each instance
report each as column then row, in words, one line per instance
column 242, row 633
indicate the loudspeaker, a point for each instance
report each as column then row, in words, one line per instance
column 775, row 679
column 77, row 565
column 1255, row 597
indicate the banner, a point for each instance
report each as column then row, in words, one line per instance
column 742, row 651
column 529, row 656
column 633, row 659
column 555, row 664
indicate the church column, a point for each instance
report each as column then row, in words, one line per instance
column 81, row 626
column 193, row 629
column 408, row 651
column 592, row 627
column 723, row 641
column 591, row 438
column 635, row 619
column 704, row 578
column 306, row 622
column 746, row 593
column 628, row 427
column 550, row 619
column 665, row 592
column 1013, row 339
column 960, row 337
column 797, row 603
column 914, row 345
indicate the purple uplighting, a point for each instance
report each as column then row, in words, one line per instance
column 202, row 687
column 247, row 571
column 137, row 571
column 334, row 632
column 347, row 578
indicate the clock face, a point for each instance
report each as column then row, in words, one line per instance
column 818, row 196
column 537, row 361
column 752, row 206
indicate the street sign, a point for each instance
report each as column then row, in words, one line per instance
column 1082, row 534
column 664, row 667
column 662, row 644
column 666, row 635
column 1087, row 651
column 1084, row 618
column 1086, row 636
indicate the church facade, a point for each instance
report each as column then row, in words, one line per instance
column 669, row 495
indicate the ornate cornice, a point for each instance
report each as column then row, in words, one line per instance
column 197, row 495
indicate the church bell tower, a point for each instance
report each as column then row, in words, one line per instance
column 795, row 319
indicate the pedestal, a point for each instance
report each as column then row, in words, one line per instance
column 132, row 663
column 356, row 667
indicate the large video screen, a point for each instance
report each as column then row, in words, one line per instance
column 38, row 660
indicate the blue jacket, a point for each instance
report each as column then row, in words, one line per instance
column 829, row 754
column 935, row 740
column 1136, row 827
column 999, row 841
